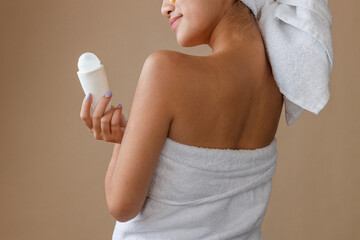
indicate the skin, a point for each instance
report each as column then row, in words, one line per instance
column 228, row 99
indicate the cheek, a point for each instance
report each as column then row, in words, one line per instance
column 199, row 22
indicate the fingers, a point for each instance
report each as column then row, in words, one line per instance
column 116, row 124
column 98, row 114
column 105, row 125
column 108, row 126
column 123, row 121
column 85, row 111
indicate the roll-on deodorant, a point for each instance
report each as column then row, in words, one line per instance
column 93, row 78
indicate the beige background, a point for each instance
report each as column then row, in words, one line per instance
column 52, row 169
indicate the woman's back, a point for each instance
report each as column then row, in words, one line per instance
column 226, row 101
column 220, row 102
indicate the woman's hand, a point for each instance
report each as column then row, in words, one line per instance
column 109, row 126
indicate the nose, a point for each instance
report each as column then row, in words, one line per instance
column 167, row 8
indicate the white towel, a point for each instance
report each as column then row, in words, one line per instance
column 205, row 194
column 298, row 41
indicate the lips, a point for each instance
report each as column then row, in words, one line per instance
column 171, row 21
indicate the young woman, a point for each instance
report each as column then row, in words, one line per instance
column 196, row 156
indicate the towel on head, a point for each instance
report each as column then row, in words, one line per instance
column 298, row 42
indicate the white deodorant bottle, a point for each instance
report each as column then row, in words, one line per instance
column 93, row 78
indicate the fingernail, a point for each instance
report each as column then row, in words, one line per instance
column 87, row 96
column 119, row 106
column 108, row 94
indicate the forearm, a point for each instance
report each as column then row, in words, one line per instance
column 114, row 157
column 111, row 168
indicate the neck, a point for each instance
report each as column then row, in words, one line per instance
column 235, row 32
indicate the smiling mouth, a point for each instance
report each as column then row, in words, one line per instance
column 174, row 23
column 171, row 21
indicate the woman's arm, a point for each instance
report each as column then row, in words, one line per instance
column 111, row 166
column 133, row 164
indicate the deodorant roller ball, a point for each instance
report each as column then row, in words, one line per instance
column 88, row 62
column 93, row 78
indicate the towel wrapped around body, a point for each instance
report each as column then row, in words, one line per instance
column 205, row 193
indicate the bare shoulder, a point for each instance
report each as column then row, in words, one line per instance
column 172, row 62
column 163, row 75
column 172, row 70
column 162, row 69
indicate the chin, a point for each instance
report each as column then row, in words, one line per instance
column 187, row 44
column 189, row 40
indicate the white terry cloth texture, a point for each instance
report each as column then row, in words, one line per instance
column 297, row 37
column 205, row 194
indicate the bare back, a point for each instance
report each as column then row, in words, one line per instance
column 225, row 102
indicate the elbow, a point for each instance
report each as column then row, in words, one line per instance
column 121, row 213
column 121, row 217
column 123, row 209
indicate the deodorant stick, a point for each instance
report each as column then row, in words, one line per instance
column 93, row 78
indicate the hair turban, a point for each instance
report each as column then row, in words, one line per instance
column 298, row 43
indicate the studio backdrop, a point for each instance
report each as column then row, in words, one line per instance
column 52, row 169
